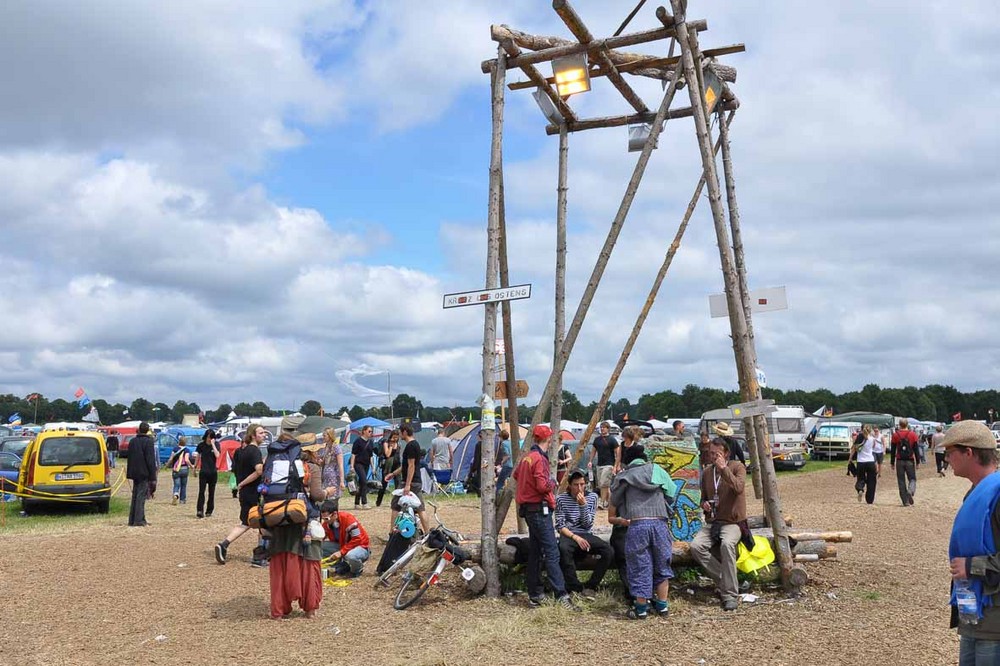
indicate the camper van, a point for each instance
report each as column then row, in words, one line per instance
column 834, row 439
column 787, row 428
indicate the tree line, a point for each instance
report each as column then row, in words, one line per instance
column 930, row 403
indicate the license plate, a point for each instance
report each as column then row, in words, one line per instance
column 69, row 476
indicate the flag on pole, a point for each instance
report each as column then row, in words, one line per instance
column 79, row 393
column 92, row 416
column 84, row 401
column 15, row 419
column 33, row 396
column 957, row 416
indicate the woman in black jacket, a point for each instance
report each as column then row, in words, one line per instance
column 361, row 462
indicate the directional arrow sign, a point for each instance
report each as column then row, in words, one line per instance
column 500, row 390
column 753, row 408
column 484, row 296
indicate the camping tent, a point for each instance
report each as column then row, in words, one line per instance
column 227, row 448
column 318, row 424
column 464, row 447
column 378, row 425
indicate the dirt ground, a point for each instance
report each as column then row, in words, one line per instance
column 98, row 592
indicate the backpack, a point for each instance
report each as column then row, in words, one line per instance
column 904, row 449
column 285, row 475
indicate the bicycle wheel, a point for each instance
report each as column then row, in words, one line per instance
column 413, row 587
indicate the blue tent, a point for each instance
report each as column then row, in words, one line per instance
column 369, row 421
column 464, row 451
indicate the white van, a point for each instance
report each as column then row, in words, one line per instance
column 787, row 428
column 834, row 439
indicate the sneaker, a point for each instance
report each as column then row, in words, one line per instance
column 200, row 515
column 220, row 553
column 860, row 496
column 534, row 602
column 633, row 614
column 258, row 564
column 175, row 499
column 663, row 614
column 567, row 602
column 729, row 605
column 588, row 594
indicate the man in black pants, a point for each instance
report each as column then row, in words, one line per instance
column 361, row 461
column 903, row 458
column 141, row 470
column 575, row 511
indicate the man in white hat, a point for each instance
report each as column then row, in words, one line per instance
column 974, row 562
column 725, row 431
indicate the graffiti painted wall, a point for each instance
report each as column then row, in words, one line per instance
column 680, row 460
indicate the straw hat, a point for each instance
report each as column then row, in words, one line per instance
column 723, row 429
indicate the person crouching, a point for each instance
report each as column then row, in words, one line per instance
column 642, row 495
column 346, row 540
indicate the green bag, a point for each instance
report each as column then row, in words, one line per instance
column 232, row 482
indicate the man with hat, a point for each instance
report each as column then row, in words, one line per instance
column 536, row 504
column 725, row 431
column 974, row 561
column 724, row 501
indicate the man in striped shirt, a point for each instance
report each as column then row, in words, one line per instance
column 575, row 511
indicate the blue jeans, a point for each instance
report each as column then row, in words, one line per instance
column 978, row 652
column 353, row 561
column 542, row 543
column 181, row 483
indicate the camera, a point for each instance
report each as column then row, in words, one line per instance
column 712, row 504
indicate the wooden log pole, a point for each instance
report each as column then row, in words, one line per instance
column 580, row 31
column 620, row 121
column 656, row 67
column 792, row 578
column 668, row 259
column 562, row 189
column 545, row 48
column 491, row 565
column 595, row 277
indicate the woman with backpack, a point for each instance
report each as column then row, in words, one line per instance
column 295, row 573
column 179, row 463
column 332, row 462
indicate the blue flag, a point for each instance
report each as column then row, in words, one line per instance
column 84, row 401
column 14, row 419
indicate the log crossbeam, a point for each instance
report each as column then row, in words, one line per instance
column 621, row 121
column 582, row 33
column 536, row 77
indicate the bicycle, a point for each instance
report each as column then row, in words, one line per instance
column 442, row 539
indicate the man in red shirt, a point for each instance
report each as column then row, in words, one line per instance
column 903, row 458
column 345, row 538
column 536, row 504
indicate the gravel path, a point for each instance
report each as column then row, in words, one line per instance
column 107, row 594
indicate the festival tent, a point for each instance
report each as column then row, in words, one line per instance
column 227, row 448
column 317, row 424
column 464, row 447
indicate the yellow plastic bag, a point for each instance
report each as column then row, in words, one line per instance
column 749, row 561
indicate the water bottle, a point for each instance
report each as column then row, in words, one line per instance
column 968, row 612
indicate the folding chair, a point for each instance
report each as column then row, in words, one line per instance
column 442, row 478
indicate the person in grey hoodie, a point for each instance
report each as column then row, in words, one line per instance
column 642, row 497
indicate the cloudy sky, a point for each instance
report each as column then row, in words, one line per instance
column 221, row 201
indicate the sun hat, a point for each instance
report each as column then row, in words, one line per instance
column 541, row 431
column 292, row 422
column 970, row 434
column 723, row 429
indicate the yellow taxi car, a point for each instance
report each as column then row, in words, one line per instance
column 65, row 467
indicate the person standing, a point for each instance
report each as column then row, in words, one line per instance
column 112, row 444
column 294, row 560
column 504, row 460
column 903, row 458
column 575, row 511
column 535, row 503
column 179, row 463
column 608, row 457
column 248, row 467
column 563, row 459
column 410, row 474
column 879, row 450
column 141, row 471
column 441, row 455
column 332, row 462
column 361, row 462
column 937, row 445
column 641, row 495
column 724, row 501
column 867, row 475
column 974, row 562
column 208, row 459
column 390, row 463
